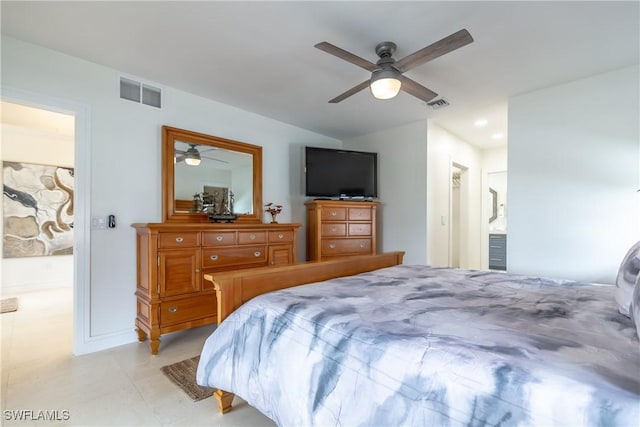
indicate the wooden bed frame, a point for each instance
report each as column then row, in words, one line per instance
column 234, row 288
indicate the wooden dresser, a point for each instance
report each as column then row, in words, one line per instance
column 340, row 228
column 173, row 257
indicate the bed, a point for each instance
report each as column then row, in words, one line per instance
column 375, row 342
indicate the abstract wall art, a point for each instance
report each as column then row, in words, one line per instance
column 37, row 210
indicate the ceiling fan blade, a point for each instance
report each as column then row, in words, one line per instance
column 208, row 149
column 416, row 89
column 347, row 56
column 180, row 158
column 215, row 160
column 435, row 50
column 350, row 92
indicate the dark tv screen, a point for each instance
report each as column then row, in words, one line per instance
column 340, row 173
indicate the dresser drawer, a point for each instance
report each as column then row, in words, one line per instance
column 252, row 237
column 285, row 236
column 223, row 257
column 334, row 229
column 178, row 240
column 218, row 238
column 332, row 247
column 356, row 229
column 359, row 214
column 334, row 214
column 186, row 309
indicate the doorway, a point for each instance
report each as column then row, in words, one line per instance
column 38, row 174
column 459, row 214
column 78, row 115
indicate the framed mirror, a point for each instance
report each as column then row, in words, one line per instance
column 196, row 164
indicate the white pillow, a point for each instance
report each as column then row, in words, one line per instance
column 627, row 278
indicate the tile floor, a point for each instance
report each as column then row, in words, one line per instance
column 122, row 386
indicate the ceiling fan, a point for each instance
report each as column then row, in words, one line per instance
column 387, row 77
column 192, row 156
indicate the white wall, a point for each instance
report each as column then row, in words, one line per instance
column 125, row 140
column 444, row 149
column 573, row 165
column 20, row 144
column 402, row 180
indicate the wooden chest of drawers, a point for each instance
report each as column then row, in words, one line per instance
column 173, row 257
column 340, row 228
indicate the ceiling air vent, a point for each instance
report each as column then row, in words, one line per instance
column 438, row 103
column 132, row 90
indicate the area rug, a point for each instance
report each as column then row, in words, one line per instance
column 8, row 304
column 183, row 374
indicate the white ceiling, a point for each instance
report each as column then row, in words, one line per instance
column 259, row 56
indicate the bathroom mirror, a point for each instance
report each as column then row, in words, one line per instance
column 194, row 163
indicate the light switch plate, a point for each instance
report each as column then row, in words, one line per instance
column 98, row 223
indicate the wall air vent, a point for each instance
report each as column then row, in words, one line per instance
column 439, row 103
column 132, row 90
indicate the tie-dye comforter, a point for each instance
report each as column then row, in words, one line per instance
column 422, row 346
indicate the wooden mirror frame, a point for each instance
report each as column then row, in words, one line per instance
column 169, row 136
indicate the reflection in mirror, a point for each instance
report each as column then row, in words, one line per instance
column 216, row 171
column 205, row 176
column 498, row 207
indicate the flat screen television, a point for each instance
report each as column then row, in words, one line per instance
column 331, row 173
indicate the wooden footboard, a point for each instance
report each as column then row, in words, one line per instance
column 234, row 288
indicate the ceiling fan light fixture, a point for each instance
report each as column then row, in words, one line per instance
column 385, row 84
column 192, row 156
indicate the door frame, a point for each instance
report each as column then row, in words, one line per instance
column 81, row 218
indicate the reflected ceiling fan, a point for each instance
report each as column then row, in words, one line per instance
column 387, row 77
column 192, row 156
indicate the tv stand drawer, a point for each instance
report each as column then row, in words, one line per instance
column 334, row 214
column 333, row 247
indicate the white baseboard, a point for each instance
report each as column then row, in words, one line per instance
column 104, row 342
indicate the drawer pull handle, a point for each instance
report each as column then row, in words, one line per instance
column 252, row 237
column 280, row 236
column 334, row 213
column 179, row 239
column 219, row 238
column 197, row 270
column 333, row 229
column 257, row 253
column 213, row 257
column 362, row 245
column 332, row 245
column 173, row 309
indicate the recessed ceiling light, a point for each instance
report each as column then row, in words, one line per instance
column 497, row 136
column 480, row 123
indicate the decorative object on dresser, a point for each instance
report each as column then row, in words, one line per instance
column 274, row 210
column 173, row 257
column 337, row 228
